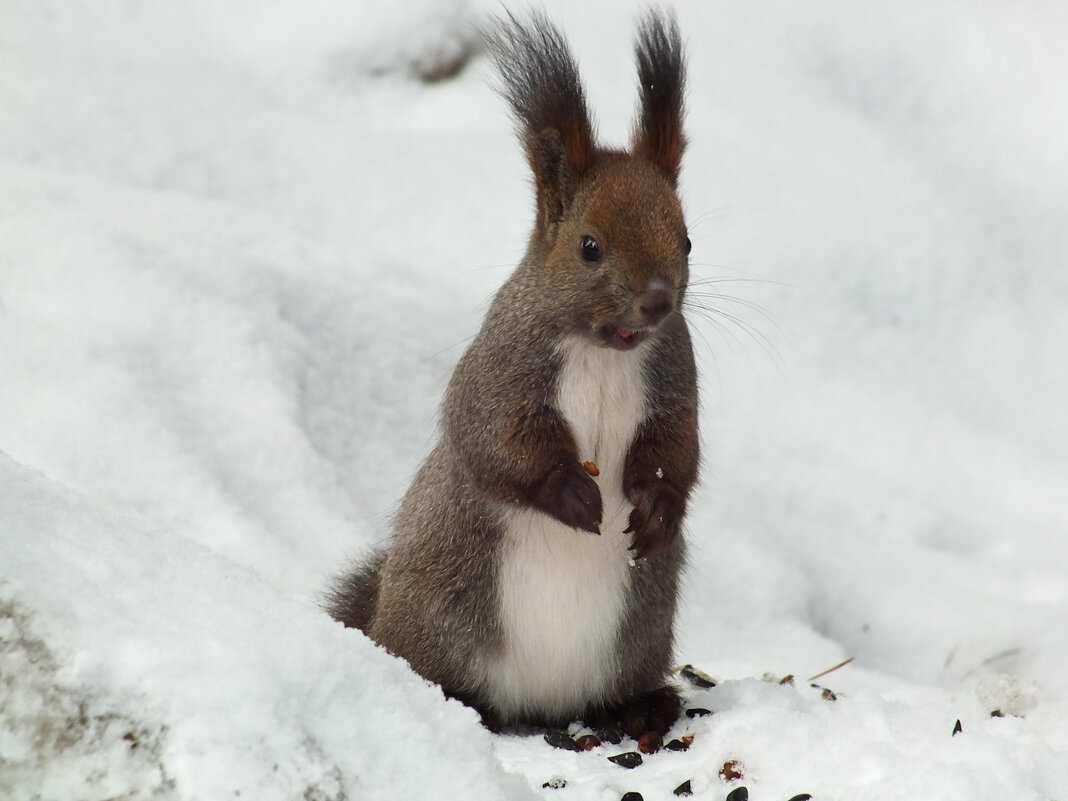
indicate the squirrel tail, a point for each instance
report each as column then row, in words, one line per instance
column 353, row 598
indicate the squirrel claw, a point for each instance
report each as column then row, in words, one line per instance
column 654, row 522
column 641, row 550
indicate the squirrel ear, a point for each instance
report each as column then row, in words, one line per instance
column 658, row 133
column 540, row 82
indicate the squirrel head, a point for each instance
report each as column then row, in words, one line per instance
column 609, row 235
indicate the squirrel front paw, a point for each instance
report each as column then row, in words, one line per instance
column 656, row 518
column 572, row 497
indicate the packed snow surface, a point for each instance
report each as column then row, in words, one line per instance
column 241, row 247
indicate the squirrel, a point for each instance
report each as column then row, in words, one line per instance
column 532, row 568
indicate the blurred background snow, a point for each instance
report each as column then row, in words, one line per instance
column 241, row 247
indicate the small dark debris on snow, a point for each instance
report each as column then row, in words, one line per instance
column 677, row 745
column 997, row 713
column 561, row 739
column 698, row 678
column 957, row 728
column 613, row 736
column 684, row 788
column 555, row 783
column 632, row 797
column 628, row 759
column 826, row 694
column 802, row 797
column 698, row 712
column 738, row 794
column 650, row 742
column 587, row 742
column 731, row 770
column 787, row 680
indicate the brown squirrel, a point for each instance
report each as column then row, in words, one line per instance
column 529, row 583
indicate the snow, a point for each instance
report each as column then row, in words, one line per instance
column 242, row 248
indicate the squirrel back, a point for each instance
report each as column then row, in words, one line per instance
column 533, row 565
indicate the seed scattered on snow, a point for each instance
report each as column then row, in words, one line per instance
column 697, row 678
column 650, row 742
column 731, row 771
column 610, row 735
column 1007, row 694
column 628, row 759
column 825, row 694
column 587, row 742
column 684, row 789
column 560, row 739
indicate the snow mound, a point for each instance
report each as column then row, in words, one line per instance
column 179, row 672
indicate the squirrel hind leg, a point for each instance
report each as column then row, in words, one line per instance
column 354, row 596
column 655, row 711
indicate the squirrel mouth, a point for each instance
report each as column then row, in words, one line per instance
column 622, row 338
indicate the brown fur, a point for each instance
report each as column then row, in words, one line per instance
column 430, row 595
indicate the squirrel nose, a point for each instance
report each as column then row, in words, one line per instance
column 657, row 301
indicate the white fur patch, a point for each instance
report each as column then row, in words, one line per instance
column 562, row 589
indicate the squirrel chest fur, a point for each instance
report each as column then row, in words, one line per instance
column 561, row 596
column 527, row 582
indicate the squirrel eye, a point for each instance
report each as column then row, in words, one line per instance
column 591, row 251
column 689, row 246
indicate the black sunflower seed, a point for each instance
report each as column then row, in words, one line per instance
column 628, row 759
column 560, row 739
column 698, row 678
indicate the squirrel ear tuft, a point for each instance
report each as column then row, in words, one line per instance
column 540, row 81
column 658, row 135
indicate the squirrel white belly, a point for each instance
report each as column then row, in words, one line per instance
column 521, row 583
column 561, row 596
